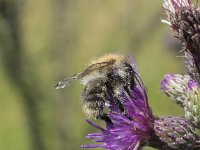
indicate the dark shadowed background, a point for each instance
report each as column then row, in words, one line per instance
column 42, row 41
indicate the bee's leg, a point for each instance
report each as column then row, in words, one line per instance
column 129, row 91
column 130, row 75
column 119, row 103
column 118, row 99
column 115, row 85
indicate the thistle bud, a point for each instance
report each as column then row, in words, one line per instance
column 176, row 133
column 175, row 86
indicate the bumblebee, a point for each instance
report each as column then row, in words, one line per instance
column 104, row 79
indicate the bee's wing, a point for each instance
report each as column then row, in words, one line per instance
column 93, row 67
column 67, row 81
column 77, row 76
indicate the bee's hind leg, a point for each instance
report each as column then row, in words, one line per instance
column 117, row 97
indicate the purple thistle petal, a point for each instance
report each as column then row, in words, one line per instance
column 94, row 125
column 93, row 146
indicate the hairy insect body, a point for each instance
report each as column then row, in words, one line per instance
column 99, row 83
column 106, row 76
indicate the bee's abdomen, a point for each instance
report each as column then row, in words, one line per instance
column 93, row 98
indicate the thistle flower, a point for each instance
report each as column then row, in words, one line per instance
column 137, row 127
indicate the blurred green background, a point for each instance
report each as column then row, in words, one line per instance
column 42, row 41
